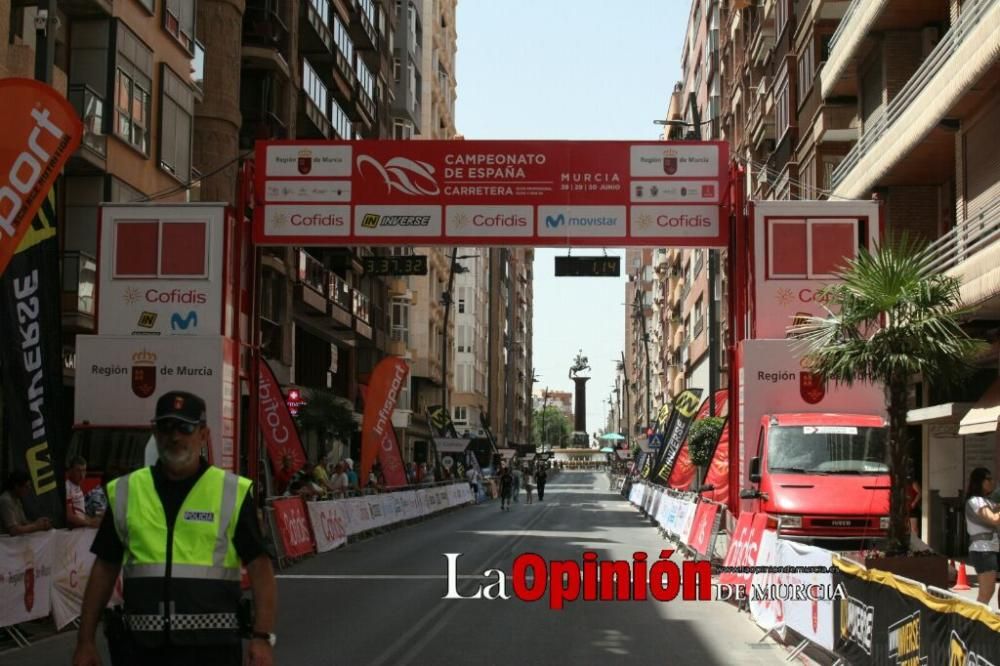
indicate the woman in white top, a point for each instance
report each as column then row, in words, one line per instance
column 982, row 518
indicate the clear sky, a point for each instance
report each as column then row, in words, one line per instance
column 570, row 69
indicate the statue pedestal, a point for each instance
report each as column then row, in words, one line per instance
column 580, row 405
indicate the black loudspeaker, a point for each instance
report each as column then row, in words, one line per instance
column 420, row 452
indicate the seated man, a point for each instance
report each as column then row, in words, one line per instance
column 12, row 517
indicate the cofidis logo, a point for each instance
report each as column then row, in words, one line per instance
column 489, row 221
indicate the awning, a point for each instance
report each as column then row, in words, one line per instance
column 984, row 415
column 948, row 412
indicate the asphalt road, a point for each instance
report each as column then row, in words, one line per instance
column 379, row 601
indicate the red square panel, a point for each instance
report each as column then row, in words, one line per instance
column 788, row 248
column 183, row 249
column 832, row 246
column 136, row 248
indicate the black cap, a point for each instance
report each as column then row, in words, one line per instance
column 180, row 405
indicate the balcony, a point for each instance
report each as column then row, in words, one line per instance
column 948, row 74
column 362, row 314
column 363, row 107
column 261, row 124
column 315, row 36
column 91, row 156
column 313, row 121
column 311, row 285
column 84, row 8
column 362, row 31
column 429, row 368
column 264, row 27
column 763, row 42
column 79, row 271
column 867, row 17
column 340, row 296
column 970, row 252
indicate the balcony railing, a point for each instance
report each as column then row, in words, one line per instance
column 90, row 106
column 965, row 240
column 914, row 87
column 340, row 292
column 844, row 22
column 79, row 271
column 361, row 307
column 401, row 334
column 312, row 272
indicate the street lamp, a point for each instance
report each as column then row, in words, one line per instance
column 446, row 300
column 675, row 121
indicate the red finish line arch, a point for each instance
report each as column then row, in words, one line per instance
column 492, row 193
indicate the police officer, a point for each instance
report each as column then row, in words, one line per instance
column 178, row 531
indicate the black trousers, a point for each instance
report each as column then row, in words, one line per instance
column 541, row 491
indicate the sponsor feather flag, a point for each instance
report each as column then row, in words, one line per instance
column 378, row 438
column 284, row 448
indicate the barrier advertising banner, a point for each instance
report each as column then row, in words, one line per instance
column 682, row 477
column 32, row 360
column 71, row 570
column 378, row 438
column 744, row 547
column 718, row 470
column 292, row 521
column 41, row 131
column 481, row 193
column 26, row 577
column 281, row 436
column 813, row 619
column 700, row 539
column 329, row 523
column 882, row 620
column 766, row 610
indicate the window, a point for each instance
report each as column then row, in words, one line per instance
column 461, row 415
column 782, row 115
column 699, row 261
column 810, row 249
column 780, row 16
column 322, row 8
column 699, row 317
column 158, row 249
column 462, row 292
column 395, row 69
column 178, row 20
column 341, row 123
column 133, row 87
column 315, row 89
column 805, row 72
column 402, row 129
column 342, row 39
column 365, row 78
column 176, row 122
column 400, row 320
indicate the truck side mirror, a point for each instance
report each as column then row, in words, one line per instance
column 755, row 469
column 749, row 494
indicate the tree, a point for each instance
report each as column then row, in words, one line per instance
column 327, row 415
column 891, row 318
column 550, row 427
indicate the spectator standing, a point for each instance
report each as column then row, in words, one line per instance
column 516, row 473
column 76, row 503
column 506, row 487
column 528, row 483
column 982, row 518
column 352, row 476
column 470, row 475
column 339, row 482
column 540, row 478
column 12, row 518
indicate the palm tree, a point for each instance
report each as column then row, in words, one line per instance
column 890, row 318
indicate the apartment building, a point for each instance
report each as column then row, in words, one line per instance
column 471, row 311
column 131, row 70
column 641, row 352
column 897, row 100
column 695, row 111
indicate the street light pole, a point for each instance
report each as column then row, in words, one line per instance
column 446, row 297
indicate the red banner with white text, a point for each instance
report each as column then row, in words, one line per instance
column 539, row 193
column 378, row 438
column 280, row 434
column 744, row 548
column 292, row 520
column 700, row 537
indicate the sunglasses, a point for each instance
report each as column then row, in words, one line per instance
column 167, row 426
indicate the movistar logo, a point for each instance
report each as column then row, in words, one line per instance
column 182, row 323
column 554, row 221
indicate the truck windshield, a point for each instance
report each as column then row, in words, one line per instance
column 827, row 450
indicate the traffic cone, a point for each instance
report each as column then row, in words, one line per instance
column 962, row 583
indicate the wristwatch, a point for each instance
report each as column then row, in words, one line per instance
column 272, row 639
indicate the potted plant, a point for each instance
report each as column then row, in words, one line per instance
column 702, row 439
column 891, row 317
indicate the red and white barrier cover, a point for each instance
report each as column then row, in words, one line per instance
column 767, row 611
column 26, row 565
column 329, row 523
column 292, row 521
column 700, row 539
column 813, row 619
column 744, row 547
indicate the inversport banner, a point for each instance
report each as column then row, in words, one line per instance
column 31, row 352
column 684, row 408
column 378, row 437
column 281, row 436
column 880, row 619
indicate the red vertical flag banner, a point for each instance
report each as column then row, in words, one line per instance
column 280, row 434
column 683, row 474
column 40, row 132
column 378, row 438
